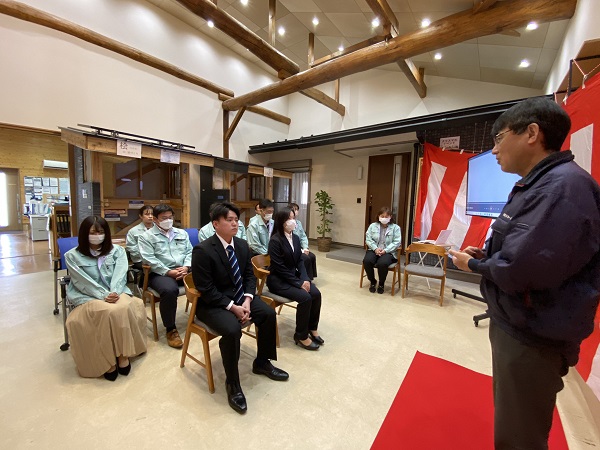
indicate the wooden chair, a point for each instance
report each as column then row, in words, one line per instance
column 150, row 295
column 420, row 269
column 205, row 333
column 259, row 265
column 394, row 267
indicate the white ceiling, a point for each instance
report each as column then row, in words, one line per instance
column 346, row 22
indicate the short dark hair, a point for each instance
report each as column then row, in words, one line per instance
column 83, row 239
column 281, row 217
column 161, row 208
column 294, row 205
column 266, row 203
column 218, row 210
column 550, row 117
column 145, row 208
column 385, row 210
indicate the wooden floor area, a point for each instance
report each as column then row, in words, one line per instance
column 20, row 255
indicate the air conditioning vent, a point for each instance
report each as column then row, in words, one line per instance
column 49, row 164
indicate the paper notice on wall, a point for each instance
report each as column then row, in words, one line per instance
column 450, row 142
column 170, row 157
column 268, row 172
column 54, row 190
column 45, row 181
column 28, row 181
column 53, row 181
column 37, row 182
column 128, row 148
column 63, row 186
column 45, row 189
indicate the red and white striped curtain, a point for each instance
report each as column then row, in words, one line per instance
column 441, row 204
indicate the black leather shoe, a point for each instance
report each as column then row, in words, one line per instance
column 312, row 346
column 111, row 376
column 124, row 370
column 372, row 287
column 236, row 397
column 318, row 339
column 380, row 289
column 271, row 371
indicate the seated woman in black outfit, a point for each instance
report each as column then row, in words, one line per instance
column 288, row 278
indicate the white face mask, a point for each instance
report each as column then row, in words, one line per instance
column 166, row 224
column 384, row 220
column 96, row 239
column 268, row 216
column 290, row 225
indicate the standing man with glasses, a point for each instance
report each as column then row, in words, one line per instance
column 540, row 270
column 222, row 272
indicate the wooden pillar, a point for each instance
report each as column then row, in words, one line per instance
column 73, row 197
column 185, row 195
column 337, row 90
column 225, row 129
column 272, row 11
column 311, row 48
column 96, row 175
column 269, row 188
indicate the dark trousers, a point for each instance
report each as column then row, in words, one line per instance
column 168, row 289
column 371, row 260
column 308, row 310
column 526, row 381
column 227, row 325
column 310, row 262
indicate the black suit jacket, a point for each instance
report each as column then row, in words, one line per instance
column 213, row 275
column 287, row 267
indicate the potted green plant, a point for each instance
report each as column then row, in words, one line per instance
column 325, row 206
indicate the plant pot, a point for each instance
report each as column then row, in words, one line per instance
column 324, row 244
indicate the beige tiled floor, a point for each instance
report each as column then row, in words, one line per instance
column 335, row 398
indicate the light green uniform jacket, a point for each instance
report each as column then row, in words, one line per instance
column 299, row 231
column 258, row 236
column 162, row 255
column 131, row 243
column 88, row 282
column 393, row 237
column 208, row 230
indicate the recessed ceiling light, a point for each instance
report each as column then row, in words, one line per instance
column 437, row 56
column 524, row 63
column 281, row 31
column 341, row 48
column 375, row 22
column 210, row 24
column 315, row 21
column 244, row 2
column 532, row 26
column 425, row 23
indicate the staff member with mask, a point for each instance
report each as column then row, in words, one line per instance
column 168, row 251
column 260, row 228
column 288, row 278
column 383, row 239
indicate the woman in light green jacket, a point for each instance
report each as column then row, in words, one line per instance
column 107, row 325
column 383, row 239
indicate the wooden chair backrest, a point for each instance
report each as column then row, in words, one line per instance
column 260, row 264
column 427, row 248
column 192, row 295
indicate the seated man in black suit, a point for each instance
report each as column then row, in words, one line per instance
column 222, row 272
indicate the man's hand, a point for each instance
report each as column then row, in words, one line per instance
column 178, row 273
column 113, row 297
column 305, row 251
column 379, row 251
column 460, row 259
column 475, row 252
column 306, row 286
column 241, row 312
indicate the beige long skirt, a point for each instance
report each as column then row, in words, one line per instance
column 101, row 331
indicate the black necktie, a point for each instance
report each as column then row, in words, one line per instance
column 238, row 297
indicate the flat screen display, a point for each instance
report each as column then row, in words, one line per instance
column 487, row 186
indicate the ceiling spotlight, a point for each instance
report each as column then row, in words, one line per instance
column 281, row 31
column 315, row 21
column 425, row 23
column 437, row 56
column 375, row 22
column 341, row 48
column 210, row 24
column 524, row 63
column 532, row 26
column 244, row 2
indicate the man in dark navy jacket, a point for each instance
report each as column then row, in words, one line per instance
column 222, row 272
column 540, row 270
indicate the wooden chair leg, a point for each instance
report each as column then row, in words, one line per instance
column 187, row 305
column 442, row 291
column 394, row 282
column 279, row 312
column 208, row 364
column 153, row 308
column 362, row 274
column 404, row 283
column 186, row 344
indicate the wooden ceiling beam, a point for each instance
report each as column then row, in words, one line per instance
column 30, row 14
column 383, row 11
column 262, row 111
column 325, row 100
column 236, row 30
column 483, row 5
column 234, row 124
column 454, row 29
column 352, row 48
column 415, row 75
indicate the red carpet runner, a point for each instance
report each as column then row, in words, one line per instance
column 441, row 405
